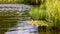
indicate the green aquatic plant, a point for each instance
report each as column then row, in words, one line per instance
column 38, row 12
column 34, row 13
column 48, row 11
column 42, row 12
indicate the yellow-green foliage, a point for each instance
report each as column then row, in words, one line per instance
column 42, row 12
column 50, row 11
column 34, row 13
column 11, row 1
column 53, row 11
column 38, row 12
column 39, row 23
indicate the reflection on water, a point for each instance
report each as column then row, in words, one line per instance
column 24, row 28
column 16, row 21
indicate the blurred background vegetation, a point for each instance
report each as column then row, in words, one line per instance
column 48, row 11
column 45, row 14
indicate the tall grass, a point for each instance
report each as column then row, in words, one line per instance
column 49, row 11
column 53, row 11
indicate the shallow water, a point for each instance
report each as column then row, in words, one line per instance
column 24, row 28
column 9, row 24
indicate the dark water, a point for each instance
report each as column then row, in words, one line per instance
column 49, row 30
column 14, row 19
column 12, row 14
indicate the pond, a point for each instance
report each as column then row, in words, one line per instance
column 15, row 20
